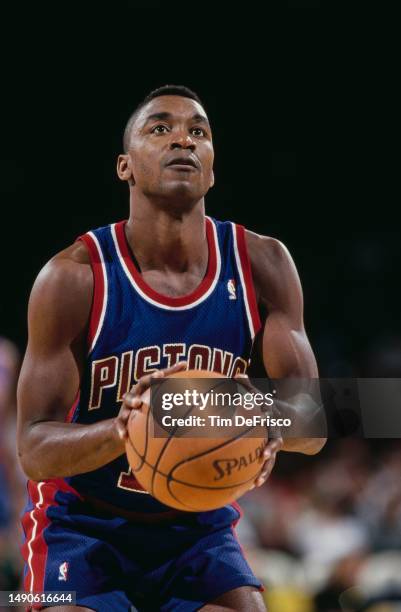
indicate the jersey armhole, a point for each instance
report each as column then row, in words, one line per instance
column 99, row 300
column 245, row 272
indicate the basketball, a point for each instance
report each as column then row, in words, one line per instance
column 193, row 468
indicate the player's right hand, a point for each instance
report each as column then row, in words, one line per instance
column 132, row 399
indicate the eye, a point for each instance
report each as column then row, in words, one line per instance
column 159, row 129
column 197, row 131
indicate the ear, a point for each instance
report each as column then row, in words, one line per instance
column 124, row 168
column 212, row 180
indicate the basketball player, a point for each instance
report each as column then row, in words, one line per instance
column 169, row 285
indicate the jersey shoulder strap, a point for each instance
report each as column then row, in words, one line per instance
column 96, row 243
column 233, row 246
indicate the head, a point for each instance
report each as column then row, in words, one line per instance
column 168, row 149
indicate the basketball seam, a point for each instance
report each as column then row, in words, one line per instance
column 209, row 450
column 170, row 437
column 194, row 486
column 170, row 476
column 239, row 484
column 141, row 457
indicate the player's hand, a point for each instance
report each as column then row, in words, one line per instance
column 273, row 445
column 269, row 456
column 132, row 399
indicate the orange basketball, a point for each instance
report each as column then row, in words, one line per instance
column 194, row 468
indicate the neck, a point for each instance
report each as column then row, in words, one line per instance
column 164, row 238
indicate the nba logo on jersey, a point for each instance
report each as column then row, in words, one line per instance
column 232, row 292
column 63, row 571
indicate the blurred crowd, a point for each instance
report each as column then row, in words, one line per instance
column 324, row 534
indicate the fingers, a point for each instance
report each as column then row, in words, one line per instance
column 124, row 414
column 178, row 367
column 145, row 381
column 269, row 456
column 121, row 430
column 121, row 423
column 273, row 446
column 266, row 471
column 131, row 400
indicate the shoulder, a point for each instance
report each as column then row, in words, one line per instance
column 69, row 270
column 268, row 256
column 273, row 268
column 265, row 247
column 63, row 289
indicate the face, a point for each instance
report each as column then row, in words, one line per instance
column 171, row 150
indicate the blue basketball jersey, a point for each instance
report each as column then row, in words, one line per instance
column 135, row 330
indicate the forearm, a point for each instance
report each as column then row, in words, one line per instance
column 51, row 449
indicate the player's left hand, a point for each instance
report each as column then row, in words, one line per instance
column 269, row 455
column 273, row 445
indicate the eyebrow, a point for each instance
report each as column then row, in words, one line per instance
column 164, row 116
column 200, row 118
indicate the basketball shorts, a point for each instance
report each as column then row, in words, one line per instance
column 116, row 565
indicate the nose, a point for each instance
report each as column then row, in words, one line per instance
column 182, row 140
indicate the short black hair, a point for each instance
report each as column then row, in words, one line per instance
column 165, row 90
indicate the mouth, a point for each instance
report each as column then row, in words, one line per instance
column 186, row 164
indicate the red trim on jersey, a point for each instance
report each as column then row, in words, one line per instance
column 71, row 411
column 36, row 540
column 61, row 485
column 184, row 300
column 99, row 288
column 237, row 507
column 34, row 523
column 247, row 272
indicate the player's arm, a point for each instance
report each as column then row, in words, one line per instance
column 58, row 314
column 286, row 350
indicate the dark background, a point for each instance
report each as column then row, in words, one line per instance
column 300, row 101
column 302, row 96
